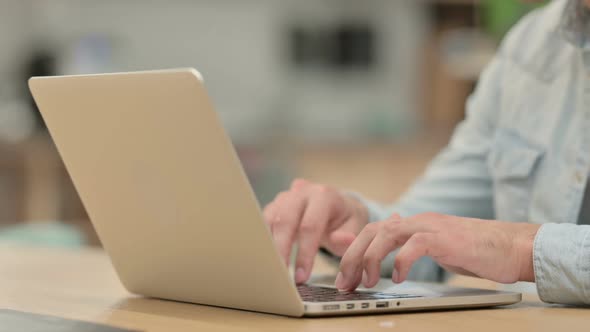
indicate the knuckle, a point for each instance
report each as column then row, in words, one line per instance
column 323, row 189
column 432, row 215
column 268, row 216
column 280, row 221
column 331, row 204
column 299, row 183
column 391, row 226
column 395, row 217
column 308, row 228
column 285, row 198
column 420, row 239
column 334, row 200
column 282, row 196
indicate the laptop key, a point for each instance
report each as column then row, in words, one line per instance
column 326, row 294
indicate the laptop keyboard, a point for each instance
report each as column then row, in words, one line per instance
column 326, row 294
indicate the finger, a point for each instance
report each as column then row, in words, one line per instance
column 350, row 265
column 338, row 241
column 394, row 232
column 270, row 210
column 388, row 239
column 376, row 252
column 269, row 213
column 312, row 227
column 284, row 223
column 419, row 245
column 384, row 242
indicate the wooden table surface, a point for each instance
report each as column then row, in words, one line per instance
column 81, row 284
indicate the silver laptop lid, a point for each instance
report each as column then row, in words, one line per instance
column 164, row 188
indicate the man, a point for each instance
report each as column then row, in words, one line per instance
column 506, row 198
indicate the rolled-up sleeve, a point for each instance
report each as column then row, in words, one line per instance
column 561, row 258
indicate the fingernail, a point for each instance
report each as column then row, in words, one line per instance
column 299, row 275
column 395, row 276
column 365, row 279
column 339, row 281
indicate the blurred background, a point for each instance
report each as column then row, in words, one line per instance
column 356, row 94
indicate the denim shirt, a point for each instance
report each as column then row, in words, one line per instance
column 523, row 152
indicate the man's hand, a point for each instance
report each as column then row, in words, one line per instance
column 495, row 250
column 313, row 216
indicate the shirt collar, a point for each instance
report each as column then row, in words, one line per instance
column 575, row 24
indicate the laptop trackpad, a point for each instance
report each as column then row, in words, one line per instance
column 384, row 285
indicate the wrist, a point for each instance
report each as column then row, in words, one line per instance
column 524, row 247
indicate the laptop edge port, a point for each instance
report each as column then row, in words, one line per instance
column 331, row 307
column 350, row 306
column 382, row 304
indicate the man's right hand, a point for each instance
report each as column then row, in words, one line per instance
column 313, row 216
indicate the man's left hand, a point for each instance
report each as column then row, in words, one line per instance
column 494, row 250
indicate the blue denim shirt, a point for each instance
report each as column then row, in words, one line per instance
column 523, row 151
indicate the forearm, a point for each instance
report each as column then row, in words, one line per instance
column 556, row 257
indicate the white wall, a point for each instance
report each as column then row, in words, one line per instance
column 239, row 47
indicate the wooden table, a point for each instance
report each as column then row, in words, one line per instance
column 81, row 284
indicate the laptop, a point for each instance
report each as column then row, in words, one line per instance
column 171, row 204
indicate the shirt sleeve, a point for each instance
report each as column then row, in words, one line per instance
column 561, row 258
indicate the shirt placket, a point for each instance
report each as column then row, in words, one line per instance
column 585, row 107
